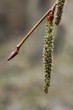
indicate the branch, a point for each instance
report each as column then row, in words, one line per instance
column 16, row 51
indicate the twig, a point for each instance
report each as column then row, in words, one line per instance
column 15, row 52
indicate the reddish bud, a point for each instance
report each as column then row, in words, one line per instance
column 12, row 55
column 50, row 16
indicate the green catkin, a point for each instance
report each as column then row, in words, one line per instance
column 59, row 11
column 47, row 55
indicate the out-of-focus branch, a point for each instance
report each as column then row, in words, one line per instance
column 15, row 52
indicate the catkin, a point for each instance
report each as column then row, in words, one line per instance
column 59, row 11
column 47, row 55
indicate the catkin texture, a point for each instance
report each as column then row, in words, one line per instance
column 59, row 11
column 47, row 55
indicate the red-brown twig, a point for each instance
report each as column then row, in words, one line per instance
column 15, row 52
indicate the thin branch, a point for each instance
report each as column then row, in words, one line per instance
column 15, row 52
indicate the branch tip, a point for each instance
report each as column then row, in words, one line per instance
column 12, row 55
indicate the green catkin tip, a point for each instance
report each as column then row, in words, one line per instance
column 59, row 11
column 48, row 54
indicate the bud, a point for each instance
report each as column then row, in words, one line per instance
column 12, row 55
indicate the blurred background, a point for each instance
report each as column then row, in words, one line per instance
column 22, row 78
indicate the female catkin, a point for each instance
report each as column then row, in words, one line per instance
column 48, row 54
column 59, row 11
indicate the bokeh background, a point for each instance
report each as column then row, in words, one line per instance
column 22, row 78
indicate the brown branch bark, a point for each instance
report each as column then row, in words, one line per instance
column 15, row 52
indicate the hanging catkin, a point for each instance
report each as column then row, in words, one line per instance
column 48, row 54
column 59, row 11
